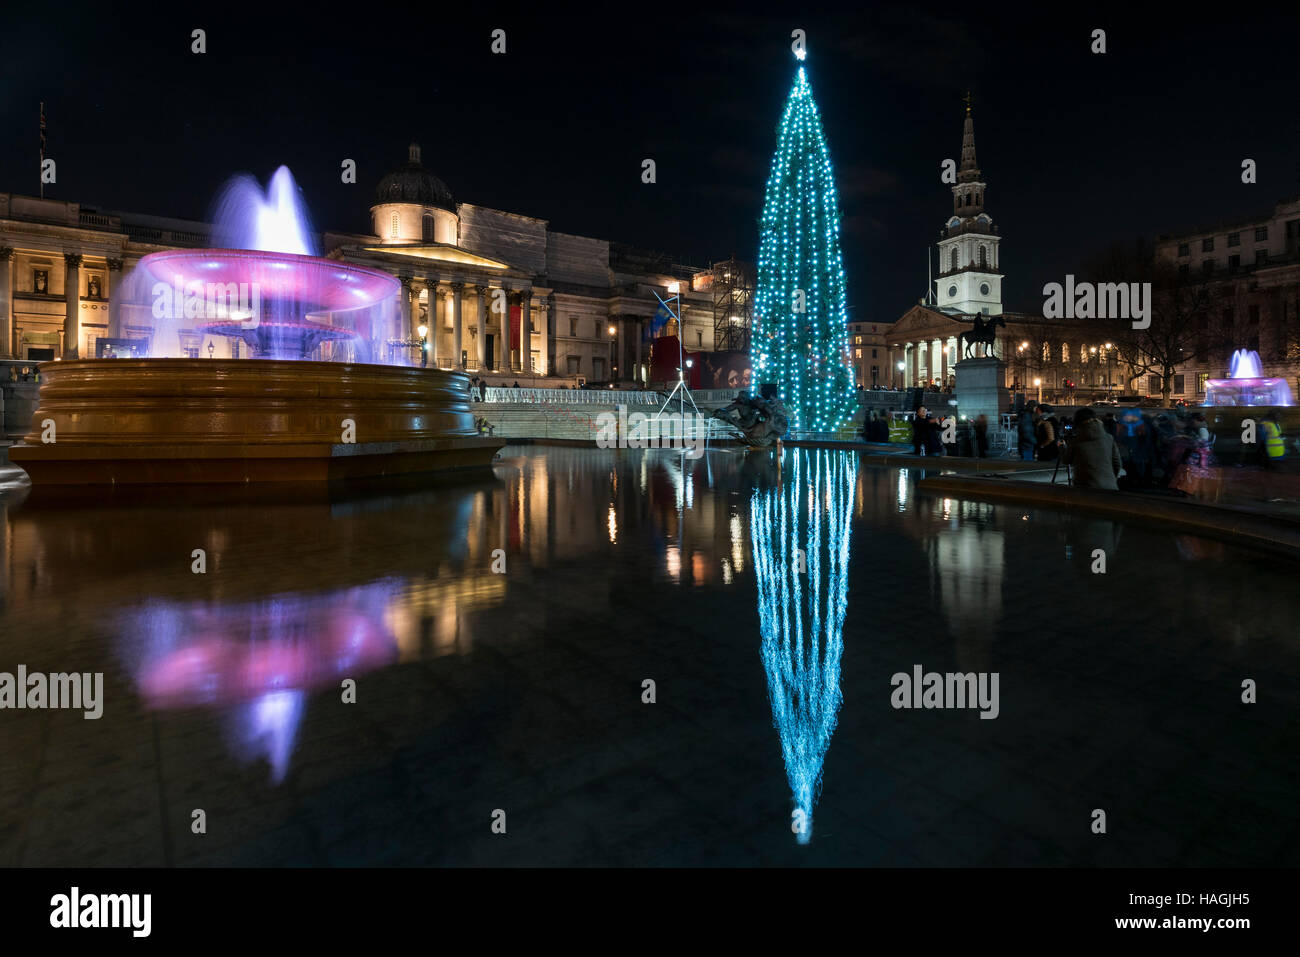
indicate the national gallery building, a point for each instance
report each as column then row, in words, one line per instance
column 468, row 273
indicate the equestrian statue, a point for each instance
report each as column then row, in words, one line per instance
column 983, row 332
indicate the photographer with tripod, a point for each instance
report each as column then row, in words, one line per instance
column 1092, row 452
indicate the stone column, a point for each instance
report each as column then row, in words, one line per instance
column 636, row 337
column 548, row 330
column 110, row 283
column 404, row 299
column 457, row 330
column 6, row 303
column 620, row 349
column 525, row 337
column 481, row 319
column 72, row 304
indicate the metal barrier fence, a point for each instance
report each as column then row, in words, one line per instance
column 570, row 396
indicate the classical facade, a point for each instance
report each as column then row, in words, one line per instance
column 1253, row 269
column 468, row 275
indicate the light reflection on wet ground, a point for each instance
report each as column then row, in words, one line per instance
column 477, row 690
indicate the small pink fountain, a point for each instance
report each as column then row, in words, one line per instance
column 1246, row 385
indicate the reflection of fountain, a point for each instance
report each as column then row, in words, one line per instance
column 800, row 535
column 260, row 658
column 1246, row 385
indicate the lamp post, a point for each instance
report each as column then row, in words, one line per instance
column 423, row 330
column 901, row 366
column 613, row 352
column 1039, row 383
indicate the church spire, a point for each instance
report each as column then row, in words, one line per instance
column 969, row 169
column 970, row 280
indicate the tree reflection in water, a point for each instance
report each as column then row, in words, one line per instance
column 800, row 532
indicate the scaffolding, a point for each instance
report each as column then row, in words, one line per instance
column 732, row 285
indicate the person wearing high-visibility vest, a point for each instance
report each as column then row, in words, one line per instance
column 1274, row 445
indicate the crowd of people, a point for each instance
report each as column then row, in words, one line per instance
column 1127, row 448
column 1137, row 449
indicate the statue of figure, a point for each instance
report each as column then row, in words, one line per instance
column 761, row 421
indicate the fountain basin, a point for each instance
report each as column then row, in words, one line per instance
column 166, row 421
column 1248, row 392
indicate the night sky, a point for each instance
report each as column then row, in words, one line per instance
column 1078, row 150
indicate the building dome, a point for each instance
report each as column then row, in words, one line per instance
column 412, row 183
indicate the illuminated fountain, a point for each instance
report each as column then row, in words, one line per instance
column 1246, row 385
column 313, row 404
column 267, row 287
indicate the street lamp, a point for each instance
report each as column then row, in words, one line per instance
column 1039, row 383
column 900, row 374
column 423, row 330
column 612, row 330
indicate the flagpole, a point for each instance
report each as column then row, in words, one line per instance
column 42, row 171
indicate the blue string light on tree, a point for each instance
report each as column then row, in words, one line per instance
column 800, row 338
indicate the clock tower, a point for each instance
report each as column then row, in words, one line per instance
column 969, row 278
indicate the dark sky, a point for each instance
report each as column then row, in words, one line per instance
column 1078, row 150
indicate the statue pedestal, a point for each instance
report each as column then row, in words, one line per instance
column 981, row 388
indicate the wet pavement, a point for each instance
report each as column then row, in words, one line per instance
column 500, row 632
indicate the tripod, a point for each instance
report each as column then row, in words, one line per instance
column 1069, row 479
column 681, row 390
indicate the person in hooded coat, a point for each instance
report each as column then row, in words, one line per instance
column 1026, row 432
column 1092, row 452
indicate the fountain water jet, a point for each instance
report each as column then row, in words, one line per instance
column 1246, row 385
column 265, row 287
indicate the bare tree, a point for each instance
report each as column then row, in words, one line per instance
column 1185, row 314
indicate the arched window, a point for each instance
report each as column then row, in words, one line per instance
column 984, row 257
column 1065, row 353
column 1047, row 352
column 977, row 197
column 392, row 228
column 954, row 260
column 426, row 228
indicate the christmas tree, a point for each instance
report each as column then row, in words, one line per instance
column 800, row 339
